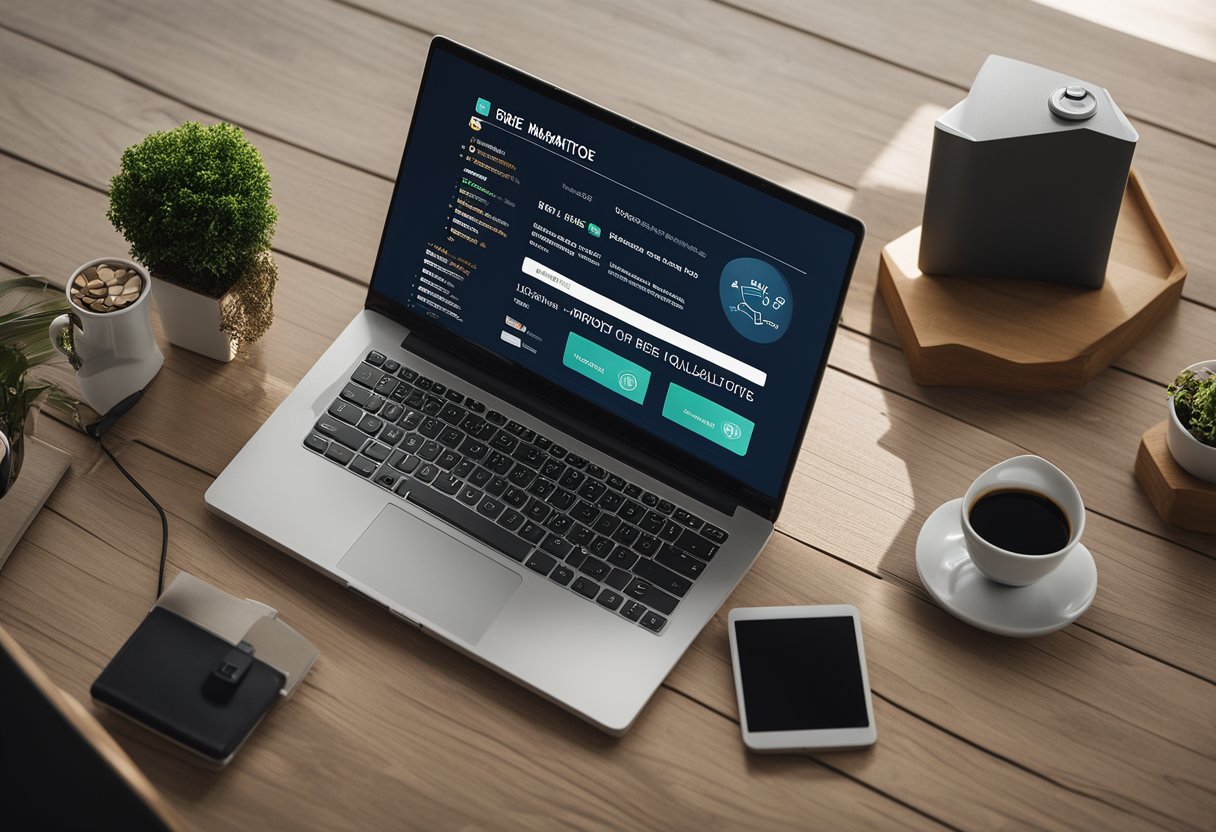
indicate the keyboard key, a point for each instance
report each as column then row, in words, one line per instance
column 561, row 499
column 430, row 427
column 543, row 442
column 529, row 455
column 423, row 382
column 652, row 522
column 406, row 374
column 475, row 475
column 591, row 490
column 618, row 578
column 685, row 519
column 430, row 450
column 495, row 486
column 632, row 610
column 515, row 427
column 347, row 412
column 595, row 568
column 631, row 511
column 427, row 472
column 572, row 479
column 557, row 451
column 585, row 512
column 611, row 501
column 453, row 396
column 490, row 507
column 562, row 574
column 647, row 545
column 626, row 534
column 367, row 375
column 622, row 557
column 447, row 483
column 585, row 587
column 339, row 454
column 465, row 468
column 412, row 443
column 540, row 562
column 504, row 442
column 663, row 577
column 412, row 419
column 473, row 448
column 653, row 621
column 452, row 414
column 496, row 417
column 349, row 436
column 510, row 519
column 608, row 598
column 541, row 487
column 377, row 451
column 414, row 399
column 553, row 469
column 693, row 543
column 574, row 459
column 559, row 523
column 580, row 535
column 685, row 564
column 576, row 557
column 391, row 435
column 374, row 358
column 521, row 475
column 469, row 495
column 468, row 520
column 632, row 490
column 317, row 442
column 601, row 547
column 355, row 393
column 476, row 407
column 498, row 463
column 650, row 595
column 374, row 404
column 406, row 463
column 451, row 437
column 370, row 424
column 650, row 500
column 556, row 546
column 671, row 531
column 399, row 394
column 606, row 524
column 714, row 534
column 615, row 482
column 438, row 389
column 665, row 507
column 596, row 471
column 390, row 366
column 531, row 532
column 431, row 406
column 386, row 385
column 447, row 460
column 386, row 477
column 537, row 510
column 515, row 497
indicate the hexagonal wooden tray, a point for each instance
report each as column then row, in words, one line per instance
column 1029, row 335
column 1181, row 498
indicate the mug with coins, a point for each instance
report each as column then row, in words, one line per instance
column 107, row 337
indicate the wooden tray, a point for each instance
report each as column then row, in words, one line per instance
column 1029, row 335
column 41, row 471
column 1182, row 499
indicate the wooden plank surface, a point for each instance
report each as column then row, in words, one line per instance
column 1108, row 724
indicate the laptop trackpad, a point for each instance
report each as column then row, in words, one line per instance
column 430, row 574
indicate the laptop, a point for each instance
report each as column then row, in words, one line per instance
column 562, row 427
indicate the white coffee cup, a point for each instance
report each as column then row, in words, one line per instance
column 1029, row 473
column 114, row 353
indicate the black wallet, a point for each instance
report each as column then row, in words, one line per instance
column 189, row 685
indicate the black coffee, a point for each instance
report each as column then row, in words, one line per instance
column 1020, row 521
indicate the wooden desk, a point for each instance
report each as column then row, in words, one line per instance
column 1109, row 724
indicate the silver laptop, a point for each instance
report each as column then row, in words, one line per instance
column 561, row 429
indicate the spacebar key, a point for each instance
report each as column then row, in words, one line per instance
column 467, row 520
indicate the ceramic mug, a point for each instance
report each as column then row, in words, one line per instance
column 1030, row 473
column 114, row 353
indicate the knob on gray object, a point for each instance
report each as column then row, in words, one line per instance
column 1026, row 178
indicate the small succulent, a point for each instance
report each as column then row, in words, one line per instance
column 1194, row 395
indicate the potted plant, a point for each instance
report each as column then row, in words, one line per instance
column 194, row 203
column 30, row 306
column 1191, row 434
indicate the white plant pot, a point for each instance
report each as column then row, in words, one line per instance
column 1196, row 457
column 193, row 321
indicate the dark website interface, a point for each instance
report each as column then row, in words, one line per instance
column 691, row 305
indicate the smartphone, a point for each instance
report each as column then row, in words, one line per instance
column 800, row 677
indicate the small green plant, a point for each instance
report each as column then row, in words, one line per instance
column 1194, row 395
column 194, row 203
column 24, row 343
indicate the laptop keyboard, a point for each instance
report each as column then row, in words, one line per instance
column 586, row 528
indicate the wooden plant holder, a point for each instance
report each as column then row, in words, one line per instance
column 1030, row 335
column 40, row 472
column 1182, row 499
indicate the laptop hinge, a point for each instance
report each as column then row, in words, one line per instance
column 574, row 424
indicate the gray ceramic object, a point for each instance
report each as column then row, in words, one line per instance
column 1026, row 178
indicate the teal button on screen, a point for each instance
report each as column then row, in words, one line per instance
column 619, row 375
column 709, row 419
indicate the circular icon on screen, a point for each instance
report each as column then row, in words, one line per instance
column 756, row 299
column 731, row 430
column 627, row 380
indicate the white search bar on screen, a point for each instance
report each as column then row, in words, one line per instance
column 639, row 321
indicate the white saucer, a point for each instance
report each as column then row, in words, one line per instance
column 951, row 578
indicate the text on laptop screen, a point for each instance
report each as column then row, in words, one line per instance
column 690, row 304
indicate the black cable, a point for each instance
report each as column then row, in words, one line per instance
column 164, row 521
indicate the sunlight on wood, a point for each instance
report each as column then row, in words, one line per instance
column 903, row 164
column 1186, row 25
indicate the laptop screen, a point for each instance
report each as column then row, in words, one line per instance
column 692, row 300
